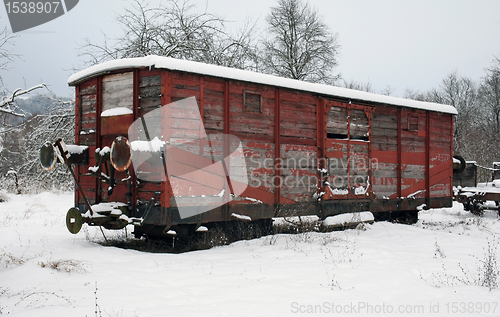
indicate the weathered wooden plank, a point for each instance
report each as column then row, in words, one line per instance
column 179, row 94
column 252, row 137
column 178, row 76
column 384, row 117
column 303, row 133
column 287, row 95
column 144, row 186
column 383, row 139
column 148, row 81
column 88, row 99
column 88, row 89
column 384, row 124
column 149, row 104
column 119, row 80
column 215, row 125
column 88, row 139
column 150, row 92
column 384, row 191
column 391, row 133
column 89, row 117
column 385, row 174
column 117, row 98
column 85, row 127
column 254, row 127
column 413, row 174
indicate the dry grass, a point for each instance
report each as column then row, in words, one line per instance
column 486, row 272
column 8, row 260
column 65, row 266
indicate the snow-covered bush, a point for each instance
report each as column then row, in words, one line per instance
column 20, row 169
column 3, row 196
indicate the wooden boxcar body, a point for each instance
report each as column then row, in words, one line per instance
column 309, row 149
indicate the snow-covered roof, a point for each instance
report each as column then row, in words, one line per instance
column 249, row 76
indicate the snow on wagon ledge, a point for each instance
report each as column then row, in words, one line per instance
column 118, row 111
column 248, row 76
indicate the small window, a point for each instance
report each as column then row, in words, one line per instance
column 252, row 102
column 412, row 122
column 336, row 124
column 117, row 91
column 359, row 125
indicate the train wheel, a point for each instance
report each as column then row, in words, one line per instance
column 467, row 206
column 476, row 208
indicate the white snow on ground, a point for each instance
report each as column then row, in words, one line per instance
column 427, row 269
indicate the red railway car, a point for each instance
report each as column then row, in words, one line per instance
column 304, row 148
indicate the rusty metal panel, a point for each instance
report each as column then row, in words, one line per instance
column 116, row 125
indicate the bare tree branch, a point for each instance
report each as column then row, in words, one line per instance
column 175, row 29
column 300, row 45
column 8, row 101
column 6, row 48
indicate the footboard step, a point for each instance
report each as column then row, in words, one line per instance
column 349, row 220
column 241, row 217
column 201, row 229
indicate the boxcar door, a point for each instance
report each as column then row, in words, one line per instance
column 347, row 150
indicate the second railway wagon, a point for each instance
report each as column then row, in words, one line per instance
column 301, row 148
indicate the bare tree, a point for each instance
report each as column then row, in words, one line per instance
column 415, row 95
column 7, row 56
column 175, row 29
column 472, row 137
column 300, row 45
column 358, row 85
column 461, row 93
column 490, row 97
column 6, row 48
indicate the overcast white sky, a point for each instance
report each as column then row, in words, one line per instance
column 397, row 43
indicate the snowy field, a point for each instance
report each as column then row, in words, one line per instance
column 445, row 265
